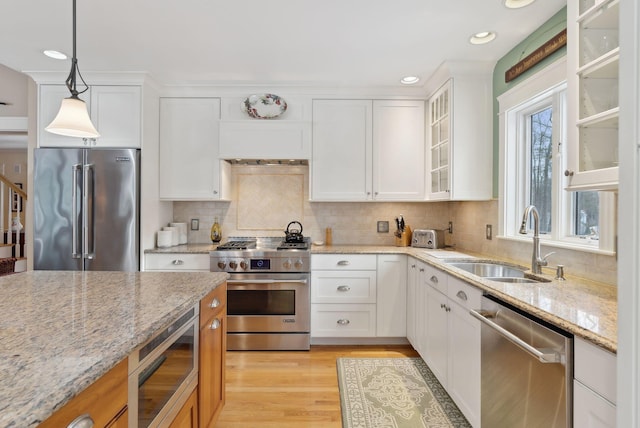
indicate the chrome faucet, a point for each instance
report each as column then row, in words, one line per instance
column 536, row 261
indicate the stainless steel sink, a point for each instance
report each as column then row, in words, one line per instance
column 489, row 270
column 496, row 271
column 513, row 280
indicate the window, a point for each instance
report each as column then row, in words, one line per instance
column 532, row 165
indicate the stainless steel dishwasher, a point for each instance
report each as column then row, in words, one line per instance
column 527, row 369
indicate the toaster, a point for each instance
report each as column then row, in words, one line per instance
column 428, row 238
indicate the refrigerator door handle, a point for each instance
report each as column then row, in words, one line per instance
column 88, row 244
column 74, row 211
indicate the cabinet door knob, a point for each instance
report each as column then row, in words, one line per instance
column 214, row 303
column 421, row 269
column 177, row 262
column 434, row 279
column 82, row 421
column 343, row 321
column 344, row 288
column 568, row 173
column 215, row 192
column 215, row 324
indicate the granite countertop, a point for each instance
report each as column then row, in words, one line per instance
column 61, row 331
column 585, row 308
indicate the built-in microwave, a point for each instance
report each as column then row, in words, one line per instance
column 163, row 372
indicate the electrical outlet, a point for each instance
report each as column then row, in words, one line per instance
column 450, row 227
column 488, row 232
column 383, row 227
column 195, row 224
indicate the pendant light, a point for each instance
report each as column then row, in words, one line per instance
column 73, row 119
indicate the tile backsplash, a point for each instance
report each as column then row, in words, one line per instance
column 266, row 198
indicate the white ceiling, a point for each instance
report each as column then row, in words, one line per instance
column 328, row 42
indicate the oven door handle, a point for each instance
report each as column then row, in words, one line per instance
column 543, row 355
column 267, row 281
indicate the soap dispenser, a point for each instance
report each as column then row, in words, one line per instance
column 216, row 231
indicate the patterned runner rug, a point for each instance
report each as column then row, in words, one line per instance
column 394, row 393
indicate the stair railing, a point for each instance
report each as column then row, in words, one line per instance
column 15, row 194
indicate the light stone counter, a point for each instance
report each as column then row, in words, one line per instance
column 586, row 309
column 61, row 331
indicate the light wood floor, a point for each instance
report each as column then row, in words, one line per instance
column 290, row 388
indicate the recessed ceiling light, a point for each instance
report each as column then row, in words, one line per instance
column 409, row 80
column 516, row 4
column 482, row 37
column 55, row 54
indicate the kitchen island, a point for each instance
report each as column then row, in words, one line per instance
column 61, row 331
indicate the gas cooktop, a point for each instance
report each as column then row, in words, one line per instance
column 262, row 244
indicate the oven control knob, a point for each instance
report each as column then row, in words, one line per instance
column 299, row 264
column 222, row 264
column 243, row 264
column 287, row 264
column 233, row 265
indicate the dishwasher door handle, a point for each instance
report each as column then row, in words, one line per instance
column 544, row 356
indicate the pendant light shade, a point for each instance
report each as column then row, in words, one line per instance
column 73, row 119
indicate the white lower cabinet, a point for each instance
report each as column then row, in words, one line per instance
column 449, row 338
column 358, row 295
column 343, row 295
column 392, row 295
column 594, row 386
column 176, row 262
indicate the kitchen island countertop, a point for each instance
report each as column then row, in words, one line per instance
column 61, row 331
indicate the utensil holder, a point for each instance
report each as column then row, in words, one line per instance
column 405, row 238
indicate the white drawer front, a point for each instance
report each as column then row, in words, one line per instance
column 463, row 294
column 436, row 278
column 343, row 262
column 177, row 261
column 343, row 287
column 596, row 368
column 343, row 320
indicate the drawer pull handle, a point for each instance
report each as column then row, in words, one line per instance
column 421, row 269
column 177, row 262
column 344, row 263
column 413, row 266
column 344, row 288
column 343, row 321
column 82, row 421
column 462, row 295
column 214, row 303
column 434, row 279
column 215, row 324
column 442, row 306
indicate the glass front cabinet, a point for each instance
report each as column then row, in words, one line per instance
column 593, row 56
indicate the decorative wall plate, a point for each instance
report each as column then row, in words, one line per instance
column 265, row 106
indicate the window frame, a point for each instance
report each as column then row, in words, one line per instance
column 546, row 87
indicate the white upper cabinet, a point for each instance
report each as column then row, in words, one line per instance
column 398, row 151
column 593, row 56
column 116, row 112
column 342, row 150
column 364, row 150
column 190, row 168
column 459, row 128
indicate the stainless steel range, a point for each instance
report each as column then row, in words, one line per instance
column 268, row 297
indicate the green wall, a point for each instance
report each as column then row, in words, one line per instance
column 536, row 39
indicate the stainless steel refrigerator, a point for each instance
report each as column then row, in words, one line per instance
column 86, row 209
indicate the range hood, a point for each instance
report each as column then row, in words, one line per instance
column 256, row 162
